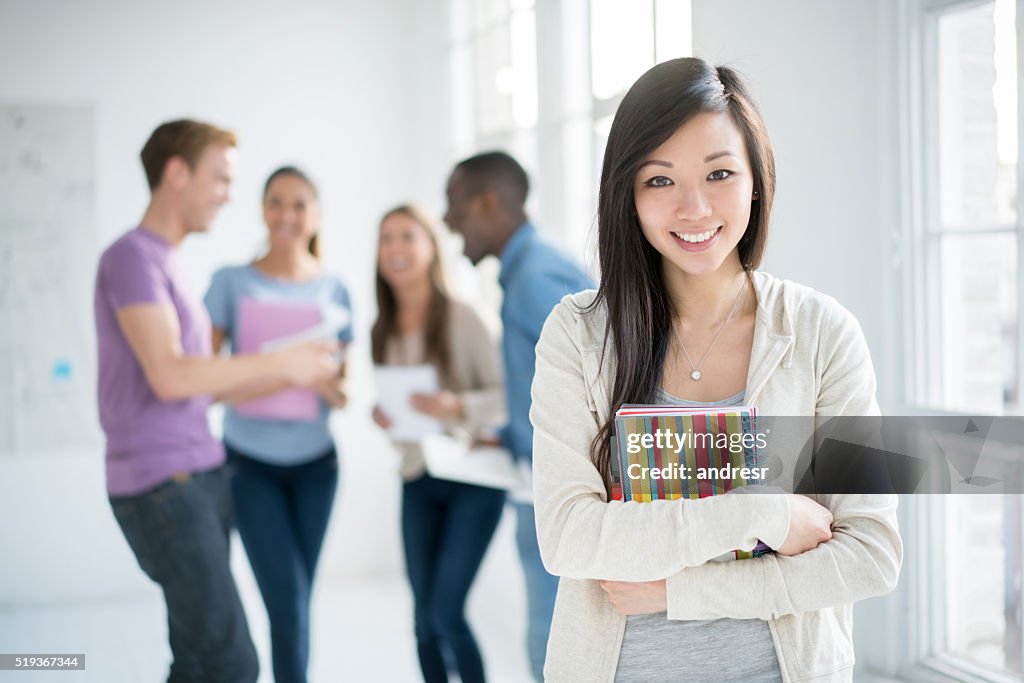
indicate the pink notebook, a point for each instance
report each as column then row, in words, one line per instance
column 260, row 322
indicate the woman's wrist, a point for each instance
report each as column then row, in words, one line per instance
column 774, row 518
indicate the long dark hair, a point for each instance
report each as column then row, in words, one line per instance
column 639, row 309
column 436, row 344
column 295, row 172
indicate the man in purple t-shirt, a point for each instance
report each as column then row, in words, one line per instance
column 165, row 476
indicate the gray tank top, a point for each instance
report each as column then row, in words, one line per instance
column 656, row 649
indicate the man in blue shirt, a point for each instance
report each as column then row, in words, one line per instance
column 486, row 205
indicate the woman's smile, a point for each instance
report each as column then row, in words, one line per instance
column 697, row 241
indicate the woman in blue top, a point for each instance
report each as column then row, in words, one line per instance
column 286, row 468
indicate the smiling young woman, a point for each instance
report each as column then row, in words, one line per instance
column 446, row 525
column 684, row 317
column 285, row 468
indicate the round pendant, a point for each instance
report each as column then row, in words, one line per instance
column 695, row 375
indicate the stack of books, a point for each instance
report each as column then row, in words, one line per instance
column 666, row 452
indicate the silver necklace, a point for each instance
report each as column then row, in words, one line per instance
column 695, row 375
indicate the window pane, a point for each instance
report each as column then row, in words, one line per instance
column 975, row 622
column 494, row 80
column 523, row 34
column 1013, row 600
column 621, row 44
column 488, row 12
column 460, row 16
column 506, row 74
column 673, row 29
column 462, row 123
column 977, row 99
column 978, row 309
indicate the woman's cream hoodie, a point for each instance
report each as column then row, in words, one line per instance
column 808, row 358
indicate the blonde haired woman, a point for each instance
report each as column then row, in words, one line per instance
column 446, row 525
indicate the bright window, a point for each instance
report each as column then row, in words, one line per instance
column 969, row 325
column 493, row 53
column 982, row 585
column 972, row 235
column 543, row 81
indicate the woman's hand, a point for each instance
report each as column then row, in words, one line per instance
column 444, row 405
column 629, row 597
column 381, row 418
column 333, row 391
column 810, row 524
column 308, row 364
column 487, row 441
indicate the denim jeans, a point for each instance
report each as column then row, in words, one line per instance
column 540, row 590
column 446, row 528
column 282, row 515
column 179, row 533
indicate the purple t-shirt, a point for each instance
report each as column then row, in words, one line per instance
column 148, row 440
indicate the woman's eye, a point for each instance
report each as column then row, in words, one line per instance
column 720, row 174
column 658, row 181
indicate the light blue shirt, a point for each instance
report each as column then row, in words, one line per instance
column 276, row 442
column 534, row 277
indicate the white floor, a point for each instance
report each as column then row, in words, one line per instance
column 362, row 628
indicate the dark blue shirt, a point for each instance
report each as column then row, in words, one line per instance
column 534, row 277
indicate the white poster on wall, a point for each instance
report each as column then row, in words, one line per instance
column 47, row 262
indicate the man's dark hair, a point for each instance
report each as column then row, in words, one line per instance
column 496, row 171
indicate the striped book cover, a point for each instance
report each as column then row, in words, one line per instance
column 669, row 452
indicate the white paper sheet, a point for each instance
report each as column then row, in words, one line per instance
column 395, row 386
column 454, row 460
column 335, row 319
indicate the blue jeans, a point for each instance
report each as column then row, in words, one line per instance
column 446, row 528
column 282, row 515
column 179, row 533
column 540, row 589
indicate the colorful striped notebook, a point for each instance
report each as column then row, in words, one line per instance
column 666, row 452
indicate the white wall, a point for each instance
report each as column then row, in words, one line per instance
column 336, row 88
column 824, row 75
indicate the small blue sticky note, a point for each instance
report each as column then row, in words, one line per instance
column 62, row 370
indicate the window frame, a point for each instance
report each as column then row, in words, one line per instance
column 924, row 234
column 910, row 646
column 912, row 643
column 466, row 33
column 565, row 147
